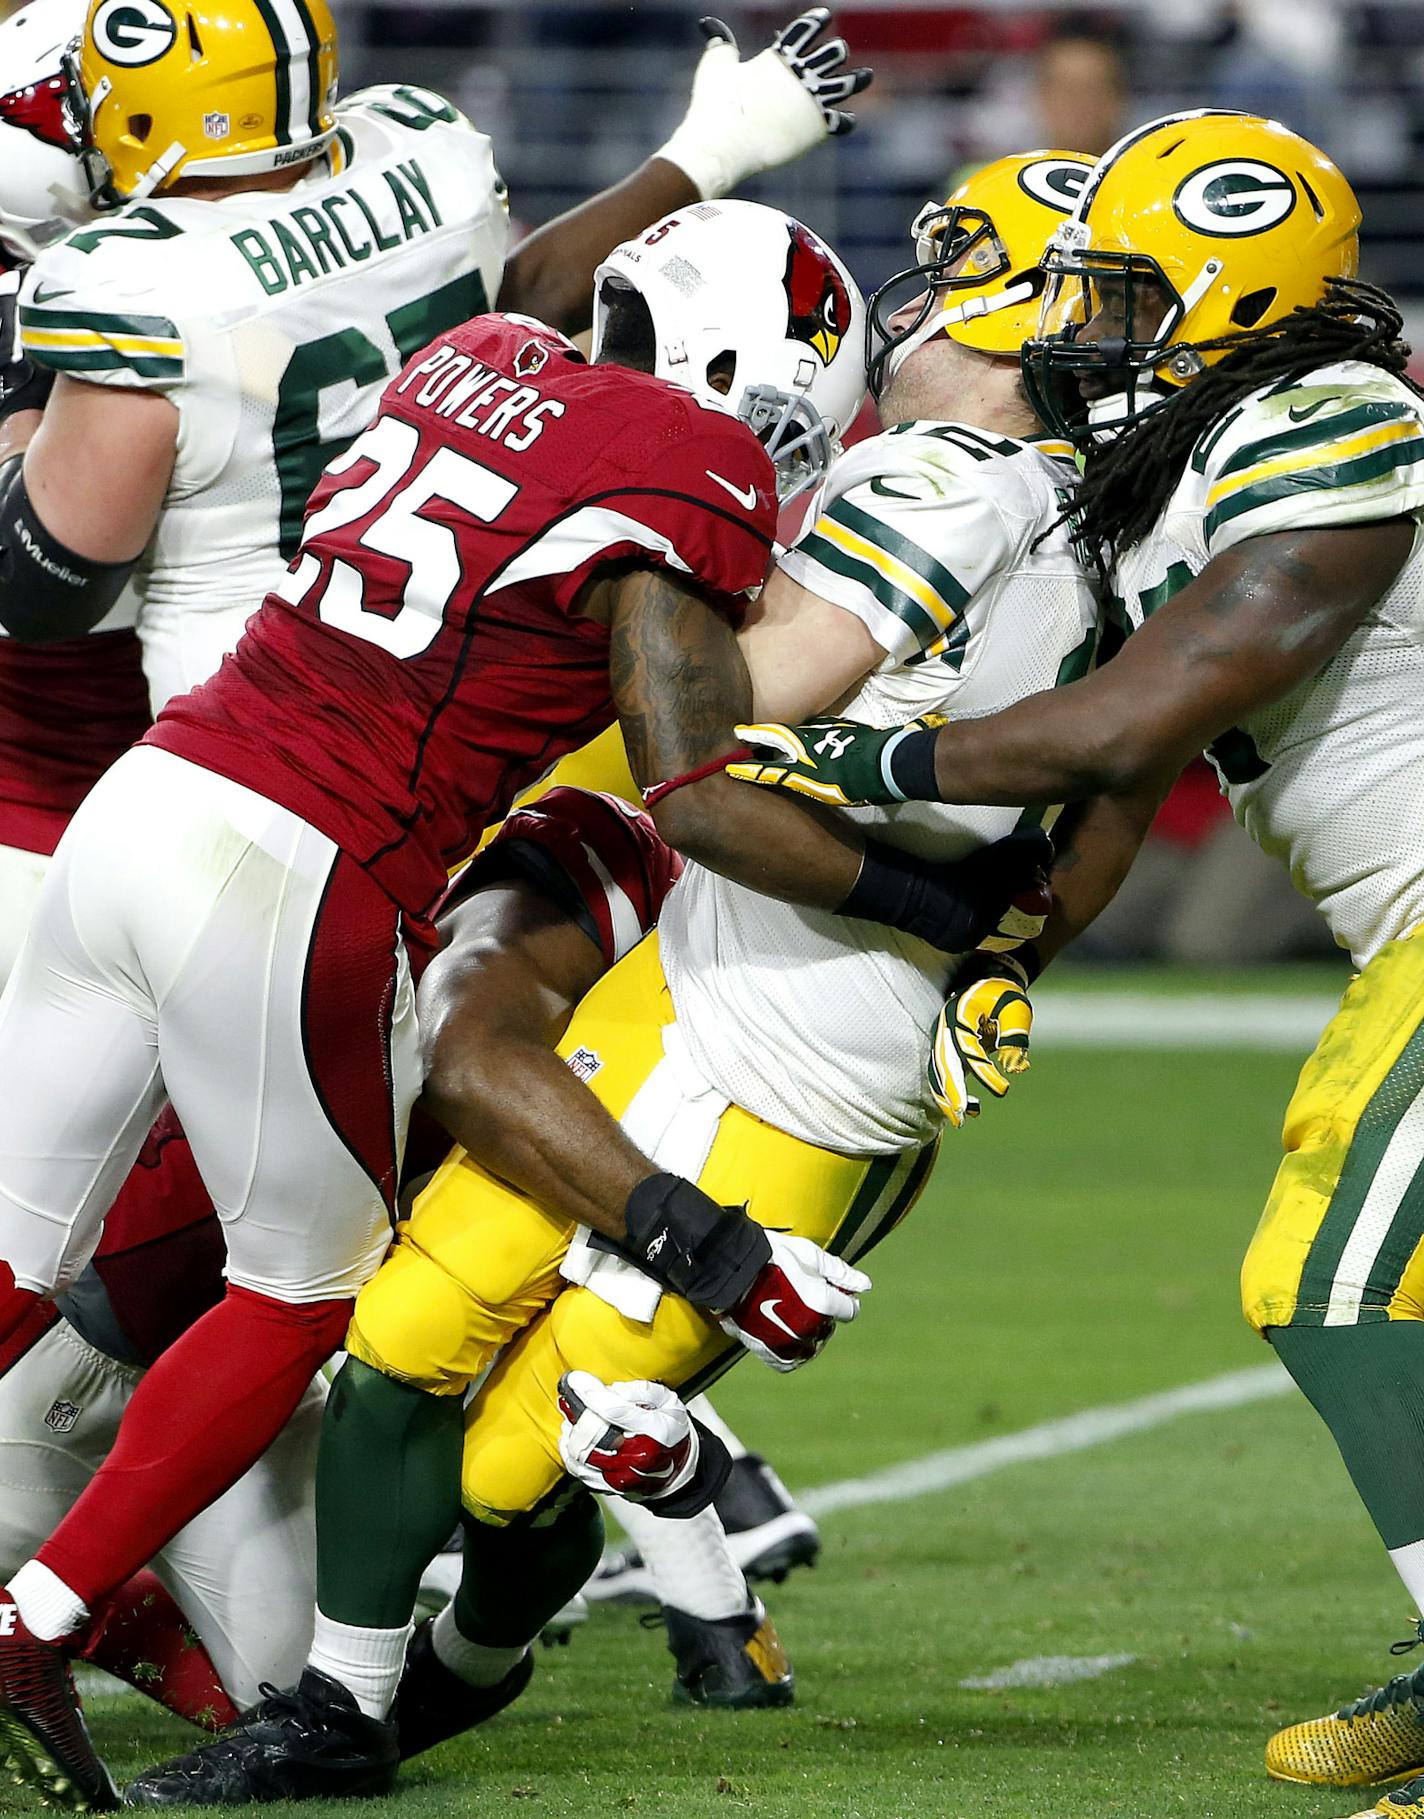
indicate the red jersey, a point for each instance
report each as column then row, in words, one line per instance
column 67, row 711
column 425, row 660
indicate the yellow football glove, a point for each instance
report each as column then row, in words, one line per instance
column 838, row 762
column 982, row 1036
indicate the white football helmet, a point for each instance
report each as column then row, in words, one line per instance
column 737, row 290
column 43, row 191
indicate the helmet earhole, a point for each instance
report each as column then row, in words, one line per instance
column 722, row 371
column 1250, row 308
column 140, row 126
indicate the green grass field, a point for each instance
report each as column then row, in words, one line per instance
column 1079, row 1246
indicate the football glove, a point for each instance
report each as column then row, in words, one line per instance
column 796, row 1303
column 23, row 385
column 836, row 762
column 633, row 1440
column 982, row 1036
column 748, row 117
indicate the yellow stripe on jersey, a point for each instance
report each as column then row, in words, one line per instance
column 77, row 339
column 1319, row 455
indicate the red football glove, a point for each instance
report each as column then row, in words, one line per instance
column 635, row 1440
column 796, row 1303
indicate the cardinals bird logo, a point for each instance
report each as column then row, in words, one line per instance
column 42, row 109
column 817, row 294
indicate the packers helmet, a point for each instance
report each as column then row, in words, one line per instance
column 1192, row 230
column 977, row 261
column 165, row 89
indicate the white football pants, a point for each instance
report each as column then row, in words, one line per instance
column 195, row 943
column 21, row 875
column 243, row 1572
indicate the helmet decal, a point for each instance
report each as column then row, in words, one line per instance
column 820, row 307
column 133, row 33
column 42, row 110
column 1234, row 197
column 1055, row 182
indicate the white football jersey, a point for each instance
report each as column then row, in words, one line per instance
column 1330, row 780
column 929, row 534
column 272, row 321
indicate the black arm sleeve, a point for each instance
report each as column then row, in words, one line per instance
column 47, row 593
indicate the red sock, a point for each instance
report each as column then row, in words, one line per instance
column 140, row 1636
column 208, row 1409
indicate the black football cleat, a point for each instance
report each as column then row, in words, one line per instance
column 432, row 1704
column 766, row 1532
column 43, row 1735
column 312, row 1742
column 737, row 1663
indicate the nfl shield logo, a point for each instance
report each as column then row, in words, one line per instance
column 585, row 1063
column 217, row 126
column 62, row 1416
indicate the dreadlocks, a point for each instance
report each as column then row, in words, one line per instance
column 1127, row 483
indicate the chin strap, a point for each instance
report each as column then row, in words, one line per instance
column 952, row 313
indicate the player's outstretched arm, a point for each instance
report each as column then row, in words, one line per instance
column 1259, row 620
column 744, row 117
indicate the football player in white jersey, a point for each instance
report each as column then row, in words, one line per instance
column 751, row 1052
column 1255, row 480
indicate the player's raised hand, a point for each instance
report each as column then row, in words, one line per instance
column 840, row 763
column 981, row 1040
column 750, row 115
column 796, row 1303
column 633, row 1440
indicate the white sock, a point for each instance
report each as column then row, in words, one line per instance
column 709, row 1418
column 367, row 1663
column 48, row 1609
column 475, row 1664
column 1409, row 1564
column 691, row 1565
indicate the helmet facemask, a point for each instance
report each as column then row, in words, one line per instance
column 1088, row 390
column 956, row 248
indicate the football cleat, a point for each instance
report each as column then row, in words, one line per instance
column 311, row 1742
column 1377, row 1739
column 621, row 1578
column 432, row 1704
column 43, row 1735
column 767, row 1534
column 736, row 1663
column 1405, row 1802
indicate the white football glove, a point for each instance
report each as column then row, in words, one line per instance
column 796, row 1302
column 633, row 1440
column 748, row 117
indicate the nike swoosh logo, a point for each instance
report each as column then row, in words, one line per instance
column 1299, row 416
column 768, row 1311
column 745, row 499
column 43, row 296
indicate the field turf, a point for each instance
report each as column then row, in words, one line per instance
column 1078, row 1247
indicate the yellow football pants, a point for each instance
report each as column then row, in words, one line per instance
column 476, row 1263
column 1340, row 1240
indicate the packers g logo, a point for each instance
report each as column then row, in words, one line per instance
column 1055, row 182
column 1234, row 197
column 132, row 33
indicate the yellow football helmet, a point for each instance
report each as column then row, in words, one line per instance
column 977, row 263
column 1193, row 228
column 220, row 88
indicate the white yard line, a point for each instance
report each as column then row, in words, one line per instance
column 1047, row 1670
column 1049, row 1440
column 1195, row 1020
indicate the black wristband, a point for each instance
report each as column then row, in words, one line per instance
column 682, row 1238
column 912, row 766
column 714, row 1467
column 902, row 892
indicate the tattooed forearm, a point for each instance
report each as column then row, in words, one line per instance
column 678, row 678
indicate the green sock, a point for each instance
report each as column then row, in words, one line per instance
column 387, row 1494
column 515, row 1578
column 1367, row 1385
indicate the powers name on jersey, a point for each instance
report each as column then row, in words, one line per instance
column 933, row 535
column 272, row 321
column 1329, row 779
column 426, row 657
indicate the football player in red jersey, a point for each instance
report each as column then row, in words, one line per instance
column 519, row 549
